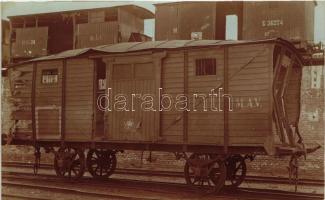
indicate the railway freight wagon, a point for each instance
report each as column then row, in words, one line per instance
column 220, row 101
column 292, row 20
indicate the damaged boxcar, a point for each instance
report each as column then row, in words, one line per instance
column 85, row 101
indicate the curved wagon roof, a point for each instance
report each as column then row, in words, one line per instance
column 127, row 47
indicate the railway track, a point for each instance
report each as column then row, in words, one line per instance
column 173, row 174
column 87, row 194
column 88, row 187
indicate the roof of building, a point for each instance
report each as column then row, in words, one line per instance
column 136, row 10
column 154, row 45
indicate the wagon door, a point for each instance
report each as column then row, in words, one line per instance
column 128, row 83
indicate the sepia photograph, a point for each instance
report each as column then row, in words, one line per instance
column 162, row 100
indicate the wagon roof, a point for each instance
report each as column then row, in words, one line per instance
column 154, row 45
column 183, row 2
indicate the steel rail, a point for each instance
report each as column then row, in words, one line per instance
column 66, row 190
column 173, row 174
column 166, row 187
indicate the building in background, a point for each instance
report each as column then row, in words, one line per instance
column 5, row 45
column 49, row 33
column 292, row 20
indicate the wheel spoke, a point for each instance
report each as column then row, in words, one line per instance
column 236, row 170
column 97, row 154
column 101, row 163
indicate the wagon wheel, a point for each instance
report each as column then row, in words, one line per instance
column 236, row 170
column 101, row 163
column 205, row 171
column 69, row 162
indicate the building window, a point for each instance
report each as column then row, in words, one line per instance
column 49, row 76
column 205, row 66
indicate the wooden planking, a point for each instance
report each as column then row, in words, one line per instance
column 79, row 99
column 48, row 100
column 44, row 91
column 250, row 87
column 198, row 120
column 205, row 139
column 47, row 123
column 137, row 125
column 117, row 119
column 247, row 141
column 172, row 84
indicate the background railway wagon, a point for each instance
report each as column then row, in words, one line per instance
column 38, row 34
column 249, row 20
column 61, row 103
column 208, row 20
column 292, row 20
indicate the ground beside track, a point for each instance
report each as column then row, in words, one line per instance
column 140, row 192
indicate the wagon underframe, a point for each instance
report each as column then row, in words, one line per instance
column 256, row 150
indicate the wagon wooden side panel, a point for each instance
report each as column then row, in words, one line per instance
column 205, row 73
column 238, row 95
column 48, row 99
column 79, row 103
column 250, row 70
column 172, row 83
